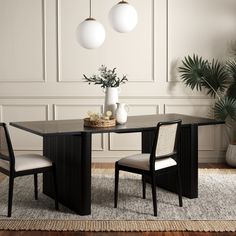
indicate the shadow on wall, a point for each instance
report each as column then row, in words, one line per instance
column 173, row 80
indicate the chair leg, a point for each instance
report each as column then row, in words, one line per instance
column 154, row 194
column 55, row 187
column 144, row 186
column 179, row 187
column 10, row 195
column 116, row 184
column 36, row 186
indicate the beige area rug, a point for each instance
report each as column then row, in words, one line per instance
column 221, row 220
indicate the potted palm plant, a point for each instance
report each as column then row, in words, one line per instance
column 218, row 80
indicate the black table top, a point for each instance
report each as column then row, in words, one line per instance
column 134, row 124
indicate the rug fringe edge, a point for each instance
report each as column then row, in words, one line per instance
column 119, row 225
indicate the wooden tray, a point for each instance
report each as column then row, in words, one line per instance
column 99, row 123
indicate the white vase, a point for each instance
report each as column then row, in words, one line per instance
column 111, row 98
column 231, row 155
column 121, row 113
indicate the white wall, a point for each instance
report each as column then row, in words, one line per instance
column 41, row 65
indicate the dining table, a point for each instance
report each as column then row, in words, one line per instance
column 68, row 143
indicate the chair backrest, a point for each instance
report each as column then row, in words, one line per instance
column 166, row 140
column 6, row 150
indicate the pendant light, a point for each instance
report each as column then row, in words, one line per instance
column 90, row 33
column 123, row 17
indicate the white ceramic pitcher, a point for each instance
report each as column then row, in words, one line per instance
column 121, row 113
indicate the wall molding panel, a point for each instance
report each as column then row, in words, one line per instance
column 77, row 79
column 11, row 52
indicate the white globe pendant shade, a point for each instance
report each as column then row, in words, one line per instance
column 90, row 33
column 123, row 17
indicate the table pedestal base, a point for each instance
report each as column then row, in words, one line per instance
column 72, row 156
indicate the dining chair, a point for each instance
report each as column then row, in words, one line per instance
column 28, row 164
column 163, row 157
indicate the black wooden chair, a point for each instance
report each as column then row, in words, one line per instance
column 163, row 157
column 29, row 164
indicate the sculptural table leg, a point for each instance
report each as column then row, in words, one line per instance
column 72, row 156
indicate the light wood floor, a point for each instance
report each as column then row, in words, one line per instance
column 108, row 165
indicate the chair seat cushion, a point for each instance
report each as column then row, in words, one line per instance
column 27, row 162
column 141, row 161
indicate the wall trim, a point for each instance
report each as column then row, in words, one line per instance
column 102, row 97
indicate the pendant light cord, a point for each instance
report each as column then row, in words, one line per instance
column 90, row 8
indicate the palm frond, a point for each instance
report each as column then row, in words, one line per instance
column 231, row 70
column 192, row 71
column 225, row 108
column 232, row 90
column 215, row 78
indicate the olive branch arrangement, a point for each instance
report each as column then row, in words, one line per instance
column 106, row 78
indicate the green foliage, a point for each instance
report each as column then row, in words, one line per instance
column 106, row 78
column 218, row 80
column 215, row 78
column 198, row 73
column 193, row 71
column 231, row 69
column 224, row 108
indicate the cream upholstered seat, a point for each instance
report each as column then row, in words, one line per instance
column 163, row 156
column 28, row 164
column 141, row 161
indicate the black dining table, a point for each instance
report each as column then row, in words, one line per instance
column 69, row 144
